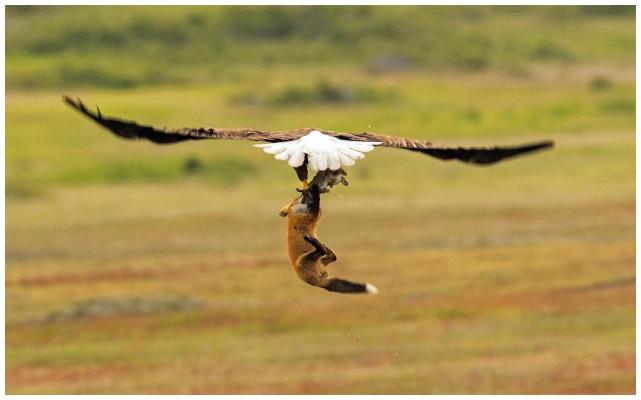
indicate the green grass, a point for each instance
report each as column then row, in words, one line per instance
column 457, row 111
column 122, row 47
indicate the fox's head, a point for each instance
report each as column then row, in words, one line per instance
column 305, row 207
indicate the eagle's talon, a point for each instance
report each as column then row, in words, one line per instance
column 305, row 187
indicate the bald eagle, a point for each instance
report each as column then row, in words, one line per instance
column 317, row 148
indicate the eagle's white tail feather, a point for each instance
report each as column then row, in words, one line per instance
column 297, row 158
column 334, row 161
column 323, row 151
column 283, row 156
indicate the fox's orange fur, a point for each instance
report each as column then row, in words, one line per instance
column 307, row 254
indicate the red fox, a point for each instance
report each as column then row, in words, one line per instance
column 307, row 254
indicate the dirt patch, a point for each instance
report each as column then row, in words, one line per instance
column 600, row 285
column 33, row 376
column 128, row 274
column 101, row 307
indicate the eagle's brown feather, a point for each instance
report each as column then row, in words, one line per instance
column 474, row 155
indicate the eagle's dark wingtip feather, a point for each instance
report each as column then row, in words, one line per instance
column 78, row 105
column 484, row 155
column 537, row 145
column 501, row 153
column 96, row 116
column 70, row 101
column 127, row 129
column 524, row 148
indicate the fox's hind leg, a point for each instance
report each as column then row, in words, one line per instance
column 308, row 266
column 310, row 272
column 329, row 257
column 328, row 254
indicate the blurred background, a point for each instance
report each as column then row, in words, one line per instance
column 135, row 268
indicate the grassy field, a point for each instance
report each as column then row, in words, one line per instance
column 107, row 46
column 128, row 271
column 514, row 278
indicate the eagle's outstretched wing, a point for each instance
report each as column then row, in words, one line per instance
column 475, row 155
column 133, row 130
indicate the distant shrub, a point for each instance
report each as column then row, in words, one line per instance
column 23, row 190
column 600, row 83
column 329, row 93
column 259, row 23
column 110, row 307
column 24, row 9
column 548, row 50
column 609, row 10
column 324, row 92
column 618, row 105
column 192, row 165
column 472, row 115
column 293, row 95
column 89, row 76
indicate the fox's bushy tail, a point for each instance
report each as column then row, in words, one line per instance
column 343, row 286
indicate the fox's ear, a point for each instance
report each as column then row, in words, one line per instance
column 283, row 213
